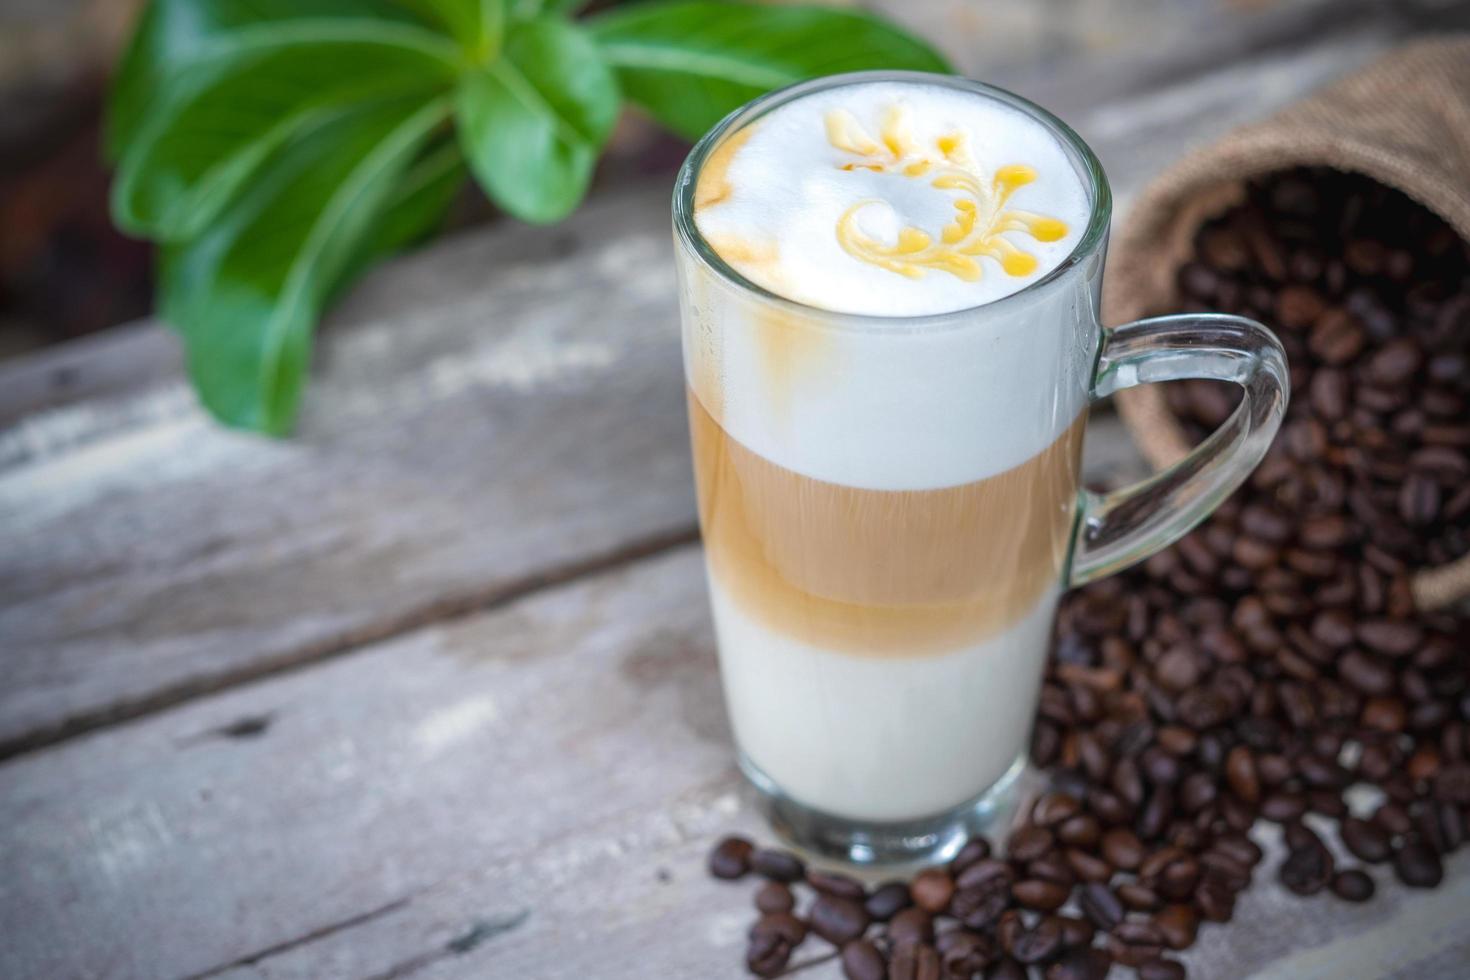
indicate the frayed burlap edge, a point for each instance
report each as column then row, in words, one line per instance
column 1403, row 121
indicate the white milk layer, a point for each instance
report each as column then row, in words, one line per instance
column 880, row 738
column 903, row 159
column 894, row 409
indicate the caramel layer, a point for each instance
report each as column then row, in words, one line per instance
column 883, row 573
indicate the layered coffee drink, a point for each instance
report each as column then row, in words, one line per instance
column 887, row 390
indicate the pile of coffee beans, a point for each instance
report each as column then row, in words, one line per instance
column 1270, row 667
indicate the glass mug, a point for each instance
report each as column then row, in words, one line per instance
column 884, row 557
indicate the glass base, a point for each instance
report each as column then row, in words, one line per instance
column 924, row 840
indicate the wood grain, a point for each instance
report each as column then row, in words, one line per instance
column 499, row 411
column 528, row 792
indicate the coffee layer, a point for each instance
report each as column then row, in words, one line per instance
column 883, row 573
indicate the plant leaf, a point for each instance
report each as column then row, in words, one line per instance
column 691, row 62
column 200, row 145
column 530, row 9
column 533, row 122
column 415, row 208
column 172, row 35
column 477, row 24
column 247, row 292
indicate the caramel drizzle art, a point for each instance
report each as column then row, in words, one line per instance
column 980, row 218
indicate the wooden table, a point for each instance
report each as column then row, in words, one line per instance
column 429, row 689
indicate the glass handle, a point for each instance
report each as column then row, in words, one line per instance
column 1117, row 529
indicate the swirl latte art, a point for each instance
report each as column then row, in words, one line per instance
column 893, row 199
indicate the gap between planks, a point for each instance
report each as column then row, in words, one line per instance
column 443, row 610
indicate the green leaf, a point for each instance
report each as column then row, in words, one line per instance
column 415, row 208
column 691, row 62
column 173, row 35
column 246, row 293
column 198, row 147
column 477, row 24
column 531, row 9
column 533, row 122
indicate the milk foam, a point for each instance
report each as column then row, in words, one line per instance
column 892, row 198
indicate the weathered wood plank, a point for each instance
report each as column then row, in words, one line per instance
column 534, row 786
column 500, row 410
column 503, row 410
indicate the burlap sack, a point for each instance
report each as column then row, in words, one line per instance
column 1404, row 121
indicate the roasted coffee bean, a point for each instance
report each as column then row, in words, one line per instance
column 1393, row 818
column 1283, row 807
column 782, row 924
column 1139, row 897
column 1100, row 904
column 1320, row 772
column 1131, row 954
column 730, row 858
column 963, row 953
column 1177, row 925
column 1365, row 672
column 1040, row 894
column 915, row 961
column 1157, row 812
column 1337, row 337
column 1226, row 868
column 1053, row 808
column 1452, row 783
column 932, row 890
column 774, row 897
column 1030, row 843
column 912, row 925
column 1008, row 929
column 1006, row 969
column 981, row 905
column 1395, row 362
column 1367, row 841
column 1038, row 944
column 1159, row 766
column 841, row 885
column 1082, row 830
column 1273, row 768
column 1417, row 865
column 887, row 900
column 767, row 955
column 1240, row 772
column 1327, row 802
column 1052, row 867
column 1352, row 885
column 984, row 872
column 1080, row 964
column 1384, row 714
column 837, row 919
column 1451, row 824
column 975, row 849
column 1162, row 969
column 777, row 865
column 1216, row 902
column 1109, row 806
column 1300, row 835
column 1087, row 866
column 862, row 961
column 1394, row 637
column 1076, row 931
column 1122, row 849
column 1307, row 869
column 1197, row 792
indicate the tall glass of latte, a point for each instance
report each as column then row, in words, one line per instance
column 889, row 285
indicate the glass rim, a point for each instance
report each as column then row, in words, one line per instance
column 687, row 232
